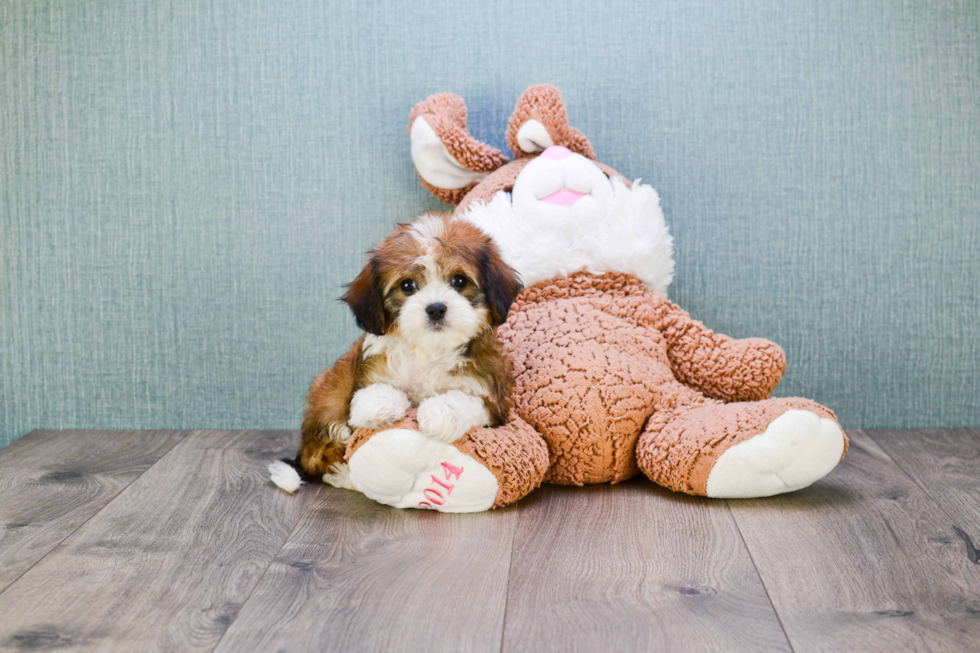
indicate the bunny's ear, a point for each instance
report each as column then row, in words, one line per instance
column 540, row 121
column 448, row 160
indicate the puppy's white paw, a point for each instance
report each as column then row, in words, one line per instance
column 339, row 476
column 377, row 405
column 449, row 416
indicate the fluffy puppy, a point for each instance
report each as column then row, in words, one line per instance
column 429, row 299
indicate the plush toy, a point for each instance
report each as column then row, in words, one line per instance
column 611, row 378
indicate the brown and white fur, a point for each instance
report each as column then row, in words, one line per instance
column 429, row 299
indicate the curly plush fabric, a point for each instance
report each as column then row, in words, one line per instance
column 516, row 455
column 599, row 360
column 717, row 365
column 586, row 375
column 544, row 103
column 446, row 115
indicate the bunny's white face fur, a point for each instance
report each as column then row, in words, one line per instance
column 565, row 215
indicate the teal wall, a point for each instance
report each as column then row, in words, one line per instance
column 184, row 186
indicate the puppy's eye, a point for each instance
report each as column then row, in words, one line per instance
column 409, row 286
column 459, row 281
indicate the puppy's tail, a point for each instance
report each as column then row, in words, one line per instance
column 287, row 474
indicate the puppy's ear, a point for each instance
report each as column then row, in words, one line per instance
column 499, row 282
column 366, row 301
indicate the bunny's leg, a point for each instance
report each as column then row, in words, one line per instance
column 704, row 447
column 486, row 468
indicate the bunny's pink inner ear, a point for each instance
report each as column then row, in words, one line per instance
column 533, row 137
column 448, row 159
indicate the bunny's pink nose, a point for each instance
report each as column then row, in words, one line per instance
column 556, row 152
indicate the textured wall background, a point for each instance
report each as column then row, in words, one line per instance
column 184, row 186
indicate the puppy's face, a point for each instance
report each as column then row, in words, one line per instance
column 435, row 282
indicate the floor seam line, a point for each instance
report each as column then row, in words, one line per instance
column 916, row 483
column 758, row 574
column 97, row 512
column 510, row 573
column 258, row 582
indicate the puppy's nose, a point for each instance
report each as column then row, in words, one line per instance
column 436, row 311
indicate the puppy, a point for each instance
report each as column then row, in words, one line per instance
column 430, row 299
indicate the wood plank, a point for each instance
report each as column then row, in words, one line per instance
column 864, row 560
column 946, row 465
column 52, row 482
column 167, row 564
column 634, row 567
column 359, row 576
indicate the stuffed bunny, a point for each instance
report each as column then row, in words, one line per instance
column 610, row 377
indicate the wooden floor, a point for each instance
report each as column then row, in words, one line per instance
column 143, row 541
